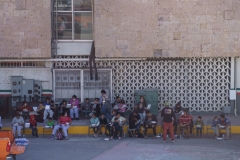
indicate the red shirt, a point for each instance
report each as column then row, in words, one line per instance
column 32, row 121
column 65, row 119
column 25, row 107
column 185, row 119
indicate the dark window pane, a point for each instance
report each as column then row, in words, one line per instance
column 63, row 25
column 83, row 26
column 82, row 5
column 63, row 5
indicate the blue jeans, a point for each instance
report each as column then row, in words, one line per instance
column 106, row 113
column 35, row 131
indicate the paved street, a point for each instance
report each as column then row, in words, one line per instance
column 86, row 148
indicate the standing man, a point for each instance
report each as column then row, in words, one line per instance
column 168, row 119
column 105, row 104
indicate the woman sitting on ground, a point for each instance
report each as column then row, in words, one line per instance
column 64, row 123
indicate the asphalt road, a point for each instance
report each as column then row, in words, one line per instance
column 86, row 148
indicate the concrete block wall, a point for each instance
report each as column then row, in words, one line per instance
column 167, row 28
column 25, row 28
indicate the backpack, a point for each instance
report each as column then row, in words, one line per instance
column 59, row 136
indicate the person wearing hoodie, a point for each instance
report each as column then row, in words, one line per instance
column 33, row 125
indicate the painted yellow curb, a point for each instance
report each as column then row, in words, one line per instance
column 85, row 129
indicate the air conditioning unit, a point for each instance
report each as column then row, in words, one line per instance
column 16, row 82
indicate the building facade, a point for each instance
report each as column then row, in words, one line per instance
column 188, row 50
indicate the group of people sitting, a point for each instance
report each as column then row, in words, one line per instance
column 182, row 121
column 175, row 120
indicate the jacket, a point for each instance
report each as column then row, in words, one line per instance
column 168, row 115
column 64, row 120
column 74, row 103
column 94, row 121
column 201, row 123
column 185, row 119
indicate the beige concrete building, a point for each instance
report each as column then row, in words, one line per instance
column 51, row 40
column 25, row 29
column 167, row 28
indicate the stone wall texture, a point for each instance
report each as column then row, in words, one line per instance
column 25, row 28
column 167, row 28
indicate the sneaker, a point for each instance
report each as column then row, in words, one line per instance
column 111, row 137
column 173, row 141
column 50, row 137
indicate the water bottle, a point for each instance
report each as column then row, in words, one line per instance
column 223, row 136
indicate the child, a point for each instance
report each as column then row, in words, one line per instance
column 94, row 122
column 59, row 135
column 33, row 125
column 50, row 122
column 199, row 125
column 86, row 106
column 103, row 123
column 116, row 128
column 214, row 125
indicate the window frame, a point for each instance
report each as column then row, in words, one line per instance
column 55, row 14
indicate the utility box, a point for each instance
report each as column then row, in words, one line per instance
column 16, row 83
column 151, row 97
column 27, row 89
column 37, row 93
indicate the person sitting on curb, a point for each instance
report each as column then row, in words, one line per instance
column 94, row 124
column 74, row 107
column 184, row 123
column 134, row 122
column 86, row 106
column 48, row 109
column 214, row 126
column 199, row 126
column 64, row 122
column 150, row 122
column 25, row 109
column 223, row 123
column 103, row 123
column 33, row 125
column 17, row 124
column 121, row 121
column 168, row 119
